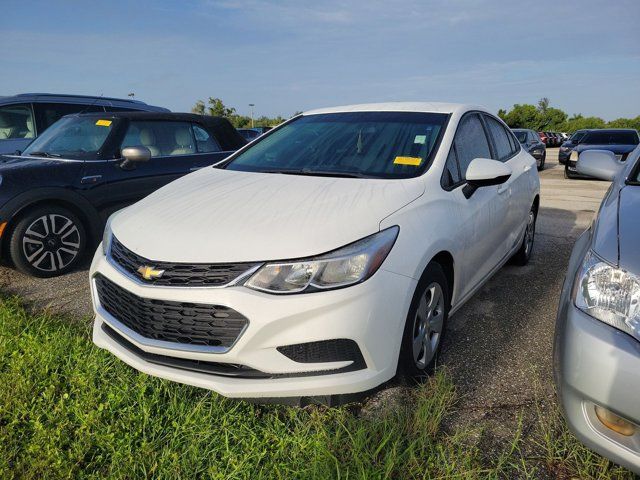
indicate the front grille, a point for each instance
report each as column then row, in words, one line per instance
column 179, row 322
column 177, row 274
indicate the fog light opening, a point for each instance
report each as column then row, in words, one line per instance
column 615, row 422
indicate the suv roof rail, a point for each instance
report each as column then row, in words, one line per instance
column 98, row 97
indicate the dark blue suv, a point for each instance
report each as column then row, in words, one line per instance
column 57, row 195
column 23, row 117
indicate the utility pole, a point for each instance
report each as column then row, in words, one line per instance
column 252, row 105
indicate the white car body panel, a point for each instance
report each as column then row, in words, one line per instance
column 221, row 216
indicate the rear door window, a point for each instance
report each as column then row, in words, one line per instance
column 470, row 142
column 16, row 121
column 163, row 139
column 205, row 142
column 501, row 139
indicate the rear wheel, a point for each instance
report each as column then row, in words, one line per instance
column 47, row 242
column 542, row 161
column 425, row 326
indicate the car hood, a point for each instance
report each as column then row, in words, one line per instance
column 216, row 215
column 618, row 149
column 629, row 228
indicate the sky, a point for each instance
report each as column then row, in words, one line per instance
column 287, row 56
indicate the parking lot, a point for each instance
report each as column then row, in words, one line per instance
column 499, row 345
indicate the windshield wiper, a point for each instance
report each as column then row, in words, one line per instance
column 316, row 173
column 44, row 154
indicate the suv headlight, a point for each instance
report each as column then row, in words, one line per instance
column 609, row 294
column 348, row 265
column 574, row 156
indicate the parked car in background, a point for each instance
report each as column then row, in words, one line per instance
column 543, row 138
column 249, row 134
column 23, row 117
column 597, row 339
column 56, row 196
column 322, row 259
column 531, row 142
column 618, row 141
column 569, row 145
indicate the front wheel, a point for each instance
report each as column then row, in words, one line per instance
column 542, row 161
column 425, row 326
column 523, row 255
column 47, row 242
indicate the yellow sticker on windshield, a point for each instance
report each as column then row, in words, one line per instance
column 413, row 161
column 103, row 123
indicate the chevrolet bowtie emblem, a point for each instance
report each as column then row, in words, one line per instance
column 149, row 273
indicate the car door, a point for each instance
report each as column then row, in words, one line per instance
column 174, row 153
column 506, row 149
column 481, row 215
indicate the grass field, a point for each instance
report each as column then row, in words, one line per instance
column 68, row 409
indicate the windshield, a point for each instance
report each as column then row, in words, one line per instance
column 368, row 144
column 521, row 135
column 608, row 137
column 72, row 137
column 576, row 137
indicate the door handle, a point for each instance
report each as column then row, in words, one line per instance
column 90, row 179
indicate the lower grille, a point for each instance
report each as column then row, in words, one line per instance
column 185, row 323
column 325, row 351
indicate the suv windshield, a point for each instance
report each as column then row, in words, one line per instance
column 604, row 137
column 72, row 137
column 367, row 144
column 521, row 135
column 576, row 137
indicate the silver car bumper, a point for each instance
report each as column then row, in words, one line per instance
column 596, row 364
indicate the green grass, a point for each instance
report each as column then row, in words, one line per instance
column 68, row 409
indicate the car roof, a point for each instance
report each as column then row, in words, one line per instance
column 425, row 107
column 69, row 98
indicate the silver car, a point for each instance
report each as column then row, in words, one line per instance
column 597, row 340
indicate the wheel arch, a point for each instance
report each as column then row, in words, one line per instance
column 445, row 259
column 16, row 208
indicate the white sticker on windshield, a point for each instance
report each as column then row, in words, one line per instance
column 421, row 139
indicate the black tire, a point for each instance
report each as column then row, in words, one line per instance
column 47, row 242
column 412, row 367
column 522, row 256
column 542, row 161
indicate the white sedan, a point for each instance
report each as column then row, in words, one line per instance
column 321, row 260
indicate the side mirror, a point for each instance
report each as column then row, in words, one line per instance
column 133, row 155
column 484, row 172
column 601, row 164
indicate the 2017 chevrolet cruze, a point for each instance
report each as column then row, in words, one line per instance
column 322, row 259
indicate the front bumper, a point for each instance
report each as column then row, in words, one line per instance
column 596, row 364
column 372, row 314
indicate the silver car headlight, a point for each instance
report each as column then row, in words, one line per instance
column 609, row 294
column 346, row 266
column 573, row 156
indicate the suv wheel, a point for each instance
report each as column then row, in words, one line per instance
column 425, row 325
column 47, row 242
column 522, row 256
column 542, row 161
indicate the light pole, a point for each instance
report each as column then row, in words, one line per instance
column 252, row 105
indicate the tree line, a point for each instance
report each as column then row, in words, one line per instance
column 542, row 117
column 216, row 107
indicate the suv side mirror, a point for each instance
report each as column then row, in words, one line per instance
column 601, row 164
column 484, row 172
column 133, row 155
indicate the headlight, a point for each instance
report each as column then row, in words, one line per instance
column 574, row 156
column 106, row 236
column 348, row 265
column 609, row 294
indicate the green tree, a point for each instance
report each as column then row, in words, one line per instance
column 198, row 108
column 522, row 116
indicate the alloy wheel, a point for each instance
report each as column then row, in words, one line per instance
column 427, row 325
column 51, row 242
